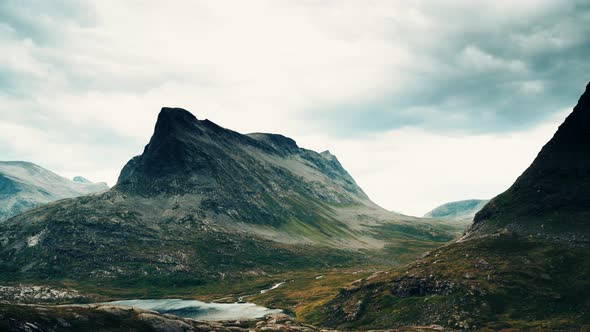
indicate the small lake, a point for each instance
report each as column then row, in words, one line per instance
column 201, row 310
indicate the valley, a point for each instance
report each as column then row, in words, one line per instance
column 522, row 264
column 212, row 230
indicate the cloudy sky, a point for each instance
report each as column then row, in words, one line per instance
column 423, row 102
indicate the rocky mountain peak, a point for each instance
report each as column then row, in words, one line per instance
column 574, row 133
column 199, row 157
column 174, row 115
column 172, row 121
column 328, row 155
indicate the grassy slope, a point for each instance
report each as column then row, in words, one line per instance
column 494, row 283
column 299, row 270
column 63, row 319
column 119, row 255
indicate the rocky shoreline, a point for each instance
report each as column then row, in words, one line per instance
column 101, row 317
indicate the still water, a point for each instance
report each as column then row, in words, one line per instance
column 201, row 310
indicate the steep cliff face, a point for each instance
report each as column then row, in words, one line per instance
column 257, row 178
column 206, row 203
column 24, row 186
column 551, row 198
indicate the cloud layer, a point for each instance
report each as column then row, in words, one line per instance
column 81, row 82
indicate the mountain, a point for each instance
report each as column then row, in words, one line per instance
column 551, row 197
column 203, row 204
column 261, row 179
column 24, row 186
column 524, row 263
column 80, row 179
column 459, row 210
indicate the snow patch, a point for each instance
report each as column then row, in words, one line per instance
column 275, row 286
column 34, row 240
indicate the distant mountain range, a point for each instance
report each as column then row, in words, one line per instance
column 204, row 203
column 524, row 263
column 459, row 210
column 24, row 186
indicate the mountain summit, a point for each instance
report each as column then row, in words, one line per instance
column 258, row 178
column 551, row 197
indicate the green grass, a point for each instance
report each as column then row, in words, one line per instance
column 501, row 283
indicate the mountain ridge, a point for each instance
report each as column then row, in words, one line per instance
column 203, row 203
column 186, row 155
column 457, row 210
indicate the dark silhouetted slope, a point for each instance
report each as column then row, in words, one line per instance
column 552, row 197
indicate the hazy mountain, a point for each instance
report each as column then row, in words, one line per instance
column 24, row 186
column 206, row 203
column 81, row 179
column 523, row 264
column 459, row 210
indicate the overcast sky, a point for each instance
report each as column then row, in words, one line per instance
column 423, row 102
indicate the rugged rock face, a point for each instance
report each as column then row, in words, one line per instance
column 38, row 294
column 551, row 198
column 257, row 178
column 24, row 186
column 205, row 203
column 459, row 210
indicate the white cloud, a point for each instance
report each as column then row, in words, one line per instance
column 535, row 86
column 67, row 158
column 410, row 170
column 473, row 58
column 84, row 92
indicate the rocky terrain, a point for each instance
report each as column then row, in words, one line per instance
column 34, row 294
column 103, row 318
column 24, row 186
column 524, row 264
column 205, row 204
column 459, row 210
